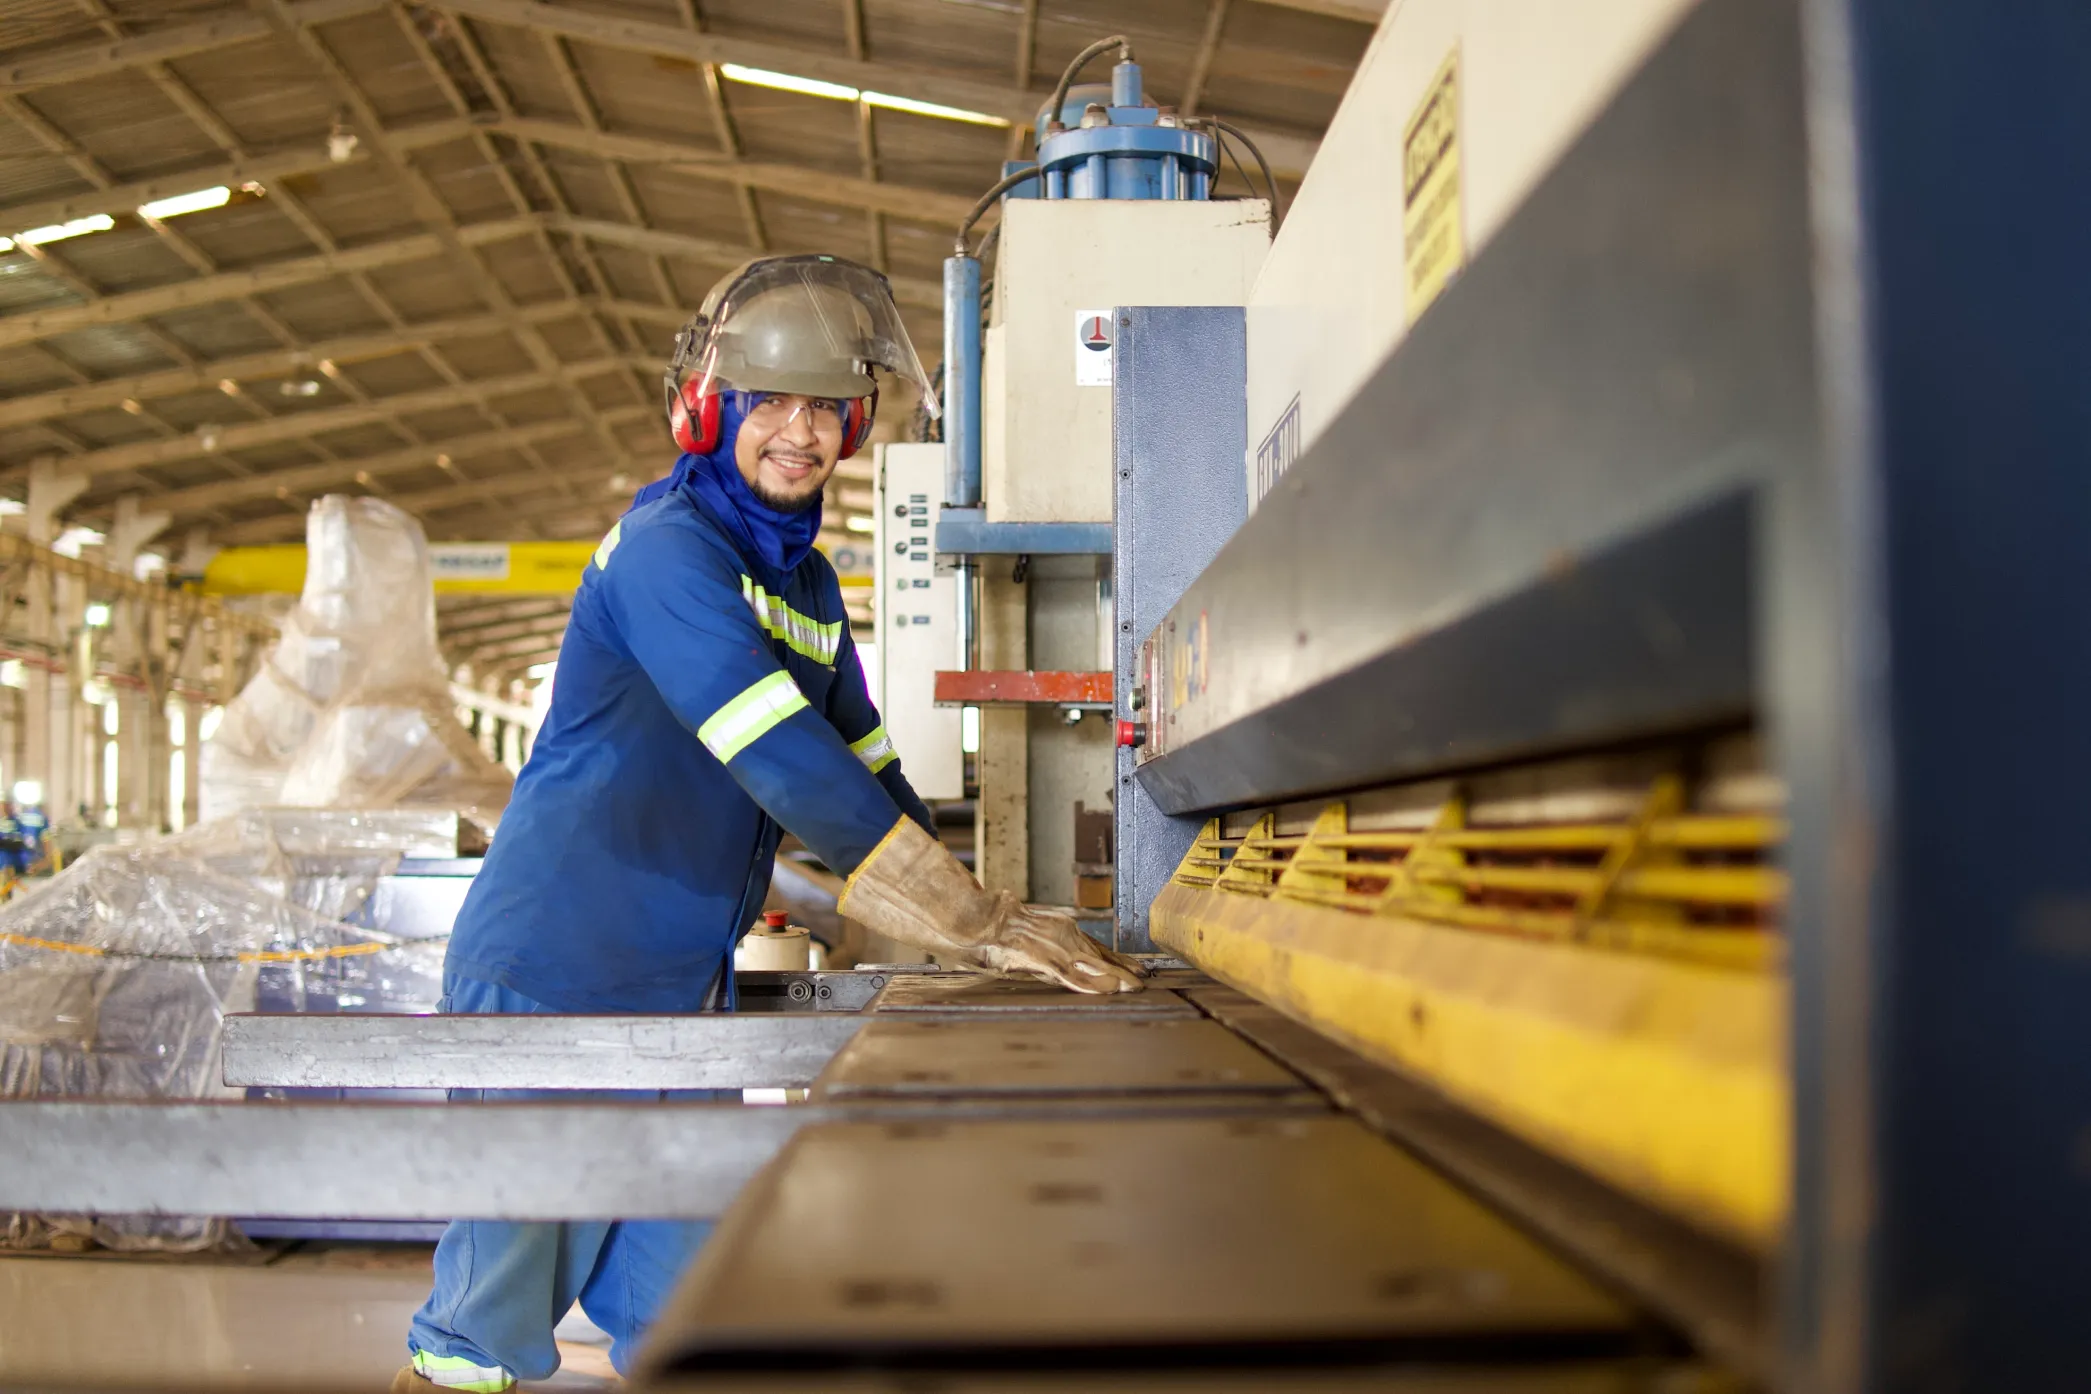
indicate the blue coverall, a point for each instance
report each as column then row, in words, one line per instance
column 708, row 693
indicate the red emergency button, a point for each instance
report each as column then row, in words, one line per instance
column 776, row 919
column 1132, row 733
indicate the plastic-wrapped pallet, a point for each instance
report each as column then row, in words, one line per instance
column 115, row 977
column 352, row 708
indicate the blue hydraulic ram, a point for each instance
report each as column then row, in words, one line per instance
column 1094, row 142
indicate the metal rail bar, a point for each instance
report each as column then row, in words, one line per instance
column 780, row 1050
column 389, row 1161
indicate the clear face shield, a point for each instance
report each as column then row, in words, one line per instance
column 802, row 326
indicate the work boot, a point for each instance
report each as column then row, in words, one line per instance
column 468, row 1378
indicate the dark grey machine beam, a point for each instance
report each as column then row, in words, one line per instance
column 762, row 1051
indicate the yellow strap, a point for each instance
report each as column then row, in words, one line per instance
column 251, row 956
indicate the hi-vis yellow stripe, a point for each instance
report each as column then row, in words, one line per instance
column 750, row 716
column 608, row 545
column 875, row 750
column 802, row 634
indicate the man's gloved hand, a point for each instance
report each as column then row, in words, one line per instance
column 911, row 889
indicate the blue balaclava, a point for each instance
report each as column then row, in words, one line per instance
column 779, row 541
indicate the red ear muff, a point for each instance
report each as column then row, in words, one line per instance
column 856, row 423
column 694, row 420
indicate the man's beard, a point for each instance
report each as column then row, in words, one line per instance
column 783, row 502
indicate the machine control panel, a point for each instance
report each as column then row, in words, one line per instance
column 917, row 616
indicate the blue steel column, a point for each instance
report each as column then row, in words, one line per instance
column 962, row 422
column 1939, row 742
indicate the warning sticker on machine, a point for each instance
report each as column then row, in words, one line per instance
column 1093, row 348
column 1433, row 228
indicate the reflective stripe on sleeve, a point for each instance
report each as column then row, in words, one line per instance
column 748, row 717
column 608, row 544
column 875, row 750
column 802, row 634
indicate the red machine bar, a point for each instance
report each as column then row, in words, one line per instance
column 977, row 688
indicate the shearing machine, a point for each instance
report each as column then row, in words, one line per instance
column 1598, row 690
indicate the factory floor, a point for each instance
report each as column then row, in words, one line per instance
column 312, row 1317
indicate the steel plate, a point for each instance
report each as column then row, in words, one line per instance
column 1590, row 1377
column 1029, row 1056
column 976, row 992
column 1213, row 1241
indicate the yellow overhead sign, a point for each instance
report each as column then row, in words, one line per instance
column 461, row 568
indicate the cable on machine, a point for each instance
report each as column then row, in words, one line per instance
column 1270, row 181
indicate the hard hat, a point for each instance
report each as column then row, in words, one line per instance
column 814, row 326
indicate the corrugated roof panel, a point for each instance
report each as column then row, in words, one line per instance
column 127, row 257
column 218, row 331
column 468, row 181
column 248, row 232
column 322, row 309
column 268, row 91
column 648, row 92
column 356, row 203
column 125, row 122
column 797, row 225
column 112, row 426
column 26, row 286
column 817, row 132
column 110, row 350
column 384, row 64
column 31, row 27
column 813, row 24
column 26, row 369
column 28, row 172
column 524, row 66
column 432, row 288
column 485, row 356
column 977, row 41
column 393, row 374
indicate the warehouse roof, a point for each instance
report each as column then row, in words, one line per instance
column 436, row 251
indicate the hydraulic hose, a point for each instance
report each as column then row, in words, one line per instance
column 987, row 201
column 1067, row 79
column 1277, row 211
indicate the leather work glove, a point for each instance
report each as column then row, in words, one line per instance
column 912, row 889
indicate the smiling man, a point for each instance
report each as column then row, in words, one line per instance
column 707, row 697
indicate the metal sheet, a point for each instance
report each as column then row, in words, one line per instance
column 1644, row 1376
column 1179, row 434
column 388, row 1161
column 974, row 992
column 758, row 1051
column 1629, row 355
column 1713, row 1291
column 1033, row 1056
column 1212, row 1239
column 380, row 1161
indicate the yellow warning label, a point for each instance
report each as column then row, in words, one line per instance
column 1433, row 228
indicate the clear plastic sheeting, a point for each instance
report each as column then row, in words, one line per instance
column 352, row 707
column 115, row 977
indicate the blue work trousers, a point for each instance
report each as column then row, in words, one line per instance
column 502, row 1286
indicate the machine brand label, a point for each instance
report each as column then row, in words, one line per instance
column 1093, row 339
column 1279, row 449
column 469, row 561
column 1188, row 663
column 1433, row 224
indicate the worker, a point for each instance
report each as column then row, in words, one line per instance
column 707, row 695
